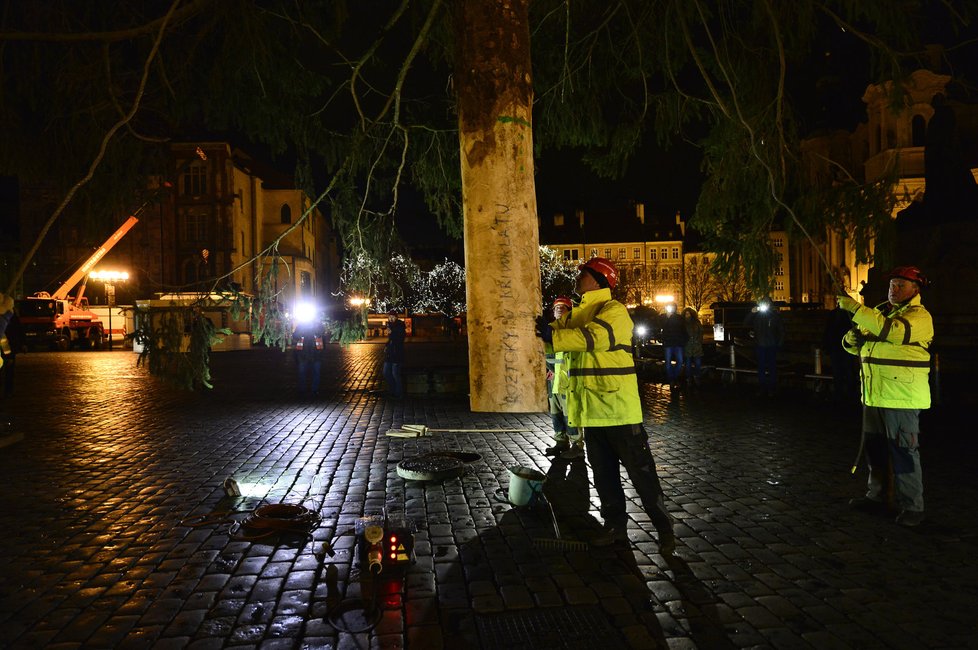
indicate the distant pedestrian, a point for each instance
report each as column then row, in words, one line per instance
column 394, row 355
column 694, row 346
column 767, row 329
column 673, row 336
column 568, row 441
column 603, row 401
column 11, row 343
column 308, row 347
column 892, row 342
column 844, row 372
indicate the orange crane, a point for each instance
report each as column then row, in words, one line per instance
column 61, row 321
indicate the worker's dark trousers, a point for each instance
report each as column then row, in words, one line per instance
column 628, row 445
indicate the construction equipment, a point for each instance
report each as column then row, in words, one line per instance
column 61, row 321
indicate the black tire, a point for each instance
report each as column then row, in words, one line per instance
column 63, row 342
column 96, row 339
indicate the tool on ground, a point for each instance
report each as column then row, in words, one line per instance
column 420, row 431
column 525, row 484
column 384, row 542
column 436, row 465
column 557, row 543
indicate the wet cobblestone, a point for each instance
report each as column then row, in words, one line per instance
column 103, row 545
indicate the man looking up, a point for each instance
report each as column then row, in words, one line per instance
column 892, row 343
column 603, row 401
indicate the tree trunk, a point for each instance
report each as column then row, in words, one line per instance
column 502, row 260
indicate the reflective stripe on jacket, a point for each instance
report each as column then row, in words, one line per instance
column 893, row 355
column 560, row 373
column 602, row 387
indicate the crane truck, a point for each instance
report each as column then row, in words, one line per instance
column 60, row 321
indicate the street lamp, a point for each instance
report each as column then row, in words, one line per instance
column 110, row 279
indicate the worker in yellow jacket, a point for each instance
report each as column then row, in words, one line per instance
column 568, row 441
column 603, row 401
column 892, row 342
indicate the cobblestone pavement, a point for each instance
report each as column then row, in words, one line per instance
column 102, row 549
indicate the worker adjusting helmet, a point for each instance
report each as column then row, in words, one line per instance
column 604, row 268
column 911, row 273
column 563, row 300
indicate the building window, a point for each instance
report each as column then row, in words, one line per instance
column 636, row 253
column 653, row 274
column 665, row 253
column 305, row 284
column 779, row 256
column 624, row 276
column 594, row 252
column 779, row 271
column 779, row 285
column 777, row 242
column 621, row 253
column 285, row 213
column 194, row 228
column 607, row 253
column 918, row 129
column 194, row 270
column 653, row 254
column 675, row 273
column 559, row 219
column 675, row 252
column 195, row 179
column 570, row 254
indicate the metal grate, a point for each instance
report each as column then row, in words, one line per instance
column 559, row 628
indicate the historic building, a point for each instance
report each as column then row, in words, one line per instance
column 202, row 224
column 900, row 142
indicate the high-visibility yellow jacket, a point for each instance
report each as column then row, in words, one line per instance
column 892, row 343
column 602, row 387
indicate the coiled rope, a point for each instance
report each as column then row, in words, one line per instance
column 264, row 520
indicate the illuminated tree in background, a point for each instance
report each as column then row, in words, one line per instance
column 443, row 290
column 701, row 281
column 557, row 276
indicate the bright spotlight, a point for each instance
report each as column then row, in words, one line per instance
column 305, row 312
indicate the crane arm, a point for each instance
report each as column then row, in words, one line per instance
column 83, row 270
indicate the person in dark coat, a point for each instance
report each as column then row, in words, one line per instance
column 767, row 329
column 673, row 335
column 843, row 364
column 308, row 341
column 10, row 344
column 394, row 355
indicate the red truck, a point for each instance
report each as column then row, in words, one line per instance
column 60, row 321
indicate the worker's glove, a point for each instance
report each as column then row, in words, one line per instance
column 847, row 303
column 856, row 336
column 543, row 329
column 6, row 303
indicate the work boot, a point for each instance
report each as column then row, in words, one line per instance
column 560, row 447
column 574, row 452
column 910, row 518
column 865, row 504
column 609, row 535
column 667, row 542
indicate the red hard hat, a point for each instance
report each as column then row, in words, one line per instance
column 563, row 300
column 603, row 266
column 911, row 273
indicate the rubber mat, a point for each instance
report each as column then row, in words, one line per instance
column 556, row 628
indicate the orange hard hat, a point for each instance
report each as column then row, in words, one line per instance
column 911, row 273
column 563, row 300
column 604, row 267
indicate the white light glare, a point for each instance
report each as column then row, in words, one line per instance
column 641, row 330
column 305, row 312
